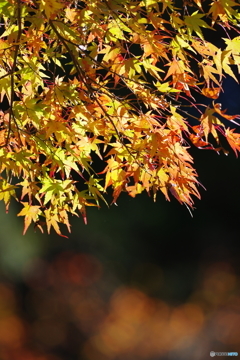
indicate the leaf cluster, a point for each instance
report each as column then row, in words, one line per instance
column 109, row 78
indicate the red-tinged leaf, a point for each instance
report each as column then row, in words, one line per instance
column 2, row 137
column 233, row 140
column 198, row 142
column 117, row 191
column 83, row 213
column 176, row 67
column 212, row 93
column 218, row 109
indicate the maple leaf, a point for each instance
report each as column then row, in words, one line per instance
column 223, row 9
column 177, row 68
column 208, row 124
column 233, row 140
column 6, row 192
column 209, row 71
column 91, row 83
column 31, row 214
column 218, row 109
column 212, row 93
column 52, row 220
column 194, row 23
column 51, row 7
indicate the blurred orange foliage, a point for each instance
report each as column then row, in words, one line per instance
column 72, row 303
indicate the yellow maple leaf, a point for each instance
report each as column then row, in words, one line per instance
column 51, row 7
column 31, row 213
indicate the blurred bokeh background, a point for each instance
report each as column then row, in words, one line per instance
column 142, row 280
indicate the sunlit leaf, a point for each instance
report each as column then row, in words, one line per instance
column 98, row 98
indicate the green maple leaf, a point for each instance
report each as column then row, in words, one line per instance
column 194, row 23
